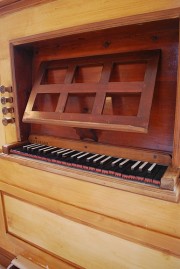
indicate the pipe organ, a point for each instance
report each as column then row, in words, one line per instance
column 93, row 173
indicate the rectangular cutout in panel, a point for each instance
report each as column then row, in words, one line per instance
column 128, row 72
column 88, row 74
column 80, row 103
column 54, row 76
column 121, row 104
column 46, row 102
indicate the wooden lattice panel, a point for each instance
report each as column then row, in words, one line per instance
column 99, row 92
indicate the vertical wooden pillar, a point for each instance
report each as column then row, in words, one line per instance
column 176, row 145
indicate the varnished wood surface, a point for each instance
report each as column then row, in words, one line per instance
column 176, row 145
column 168, row 189
column 8, row 6
column 154, row 221
column 96, row 147
column 82, row 238
column 91, row 13
column 86, row 117
column 5, row 257
column 160, row 35
column 122, row 205
column 154, row 237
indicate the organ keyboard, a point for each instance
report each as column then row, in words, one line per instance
column 149, row 173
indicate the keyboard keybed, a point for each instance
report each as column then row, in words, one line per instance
column 149, row 173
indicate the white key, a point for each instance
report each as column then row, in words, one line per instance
column 123, row 162
column 82, row 156
column 135, row 165
column 37, row 147
column 77, row 154
column 62, row 151
column 105, row 160
column 30, row 146
column 92, row 157
column 34, row 147
column 49, row 149
column 98, row 158
column 151, row 167
column 68, row 152
column 142, row 166
column 56, row 151
column 115, row 162
column 42, row 149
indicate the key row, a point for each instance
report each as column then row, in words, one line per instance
column 55, row 152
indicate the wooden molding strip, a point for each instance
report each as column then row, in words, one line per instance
column 8, row 6
column 101, row 25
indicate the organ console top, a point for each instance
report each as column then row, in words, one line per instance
column 100, row 106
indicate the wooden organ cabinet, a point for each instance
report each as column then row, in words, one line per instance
column 89, row 168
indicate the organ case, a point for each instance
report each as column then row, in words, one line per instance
column 110, row 92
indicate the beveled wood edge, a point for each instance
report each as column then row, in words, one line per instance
column 170, row 179
column 95, row 178
column 82, row 121
column 100, row 25
column 94, row 147
column 7, row 6
column 7, row 147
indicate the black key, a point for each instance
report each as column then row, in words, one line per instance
column 54, row 152
column 116, row 162
column 36, row 148
column 98, row 159
column 77, row 154
column 105, row 160
column 82, row 157
column 135, row 165
column 91, row 158
column 68, row 153
column 124, row 162
column 47, row 151
column 40, row 151
column 60, row 152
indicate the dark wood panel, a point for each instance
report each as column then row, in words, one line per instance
column 49, row 96
column 162, row 35
column 5, row 257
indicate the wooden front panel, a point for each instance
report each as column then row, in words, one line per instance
column 76, row 242
column 119, row 205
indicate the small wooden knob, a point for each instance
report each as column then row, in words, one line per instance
column 6, row 110
column 4, row 89
column 6, row 121
column 5, row 100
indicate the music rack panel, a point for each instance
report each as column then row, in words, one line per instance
column 95, row 92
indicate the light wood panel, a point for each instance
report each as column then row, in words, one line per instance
column 7, row 6
column 76, row 242
column 128, row 231
column 127, row 207
column 18, row 247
